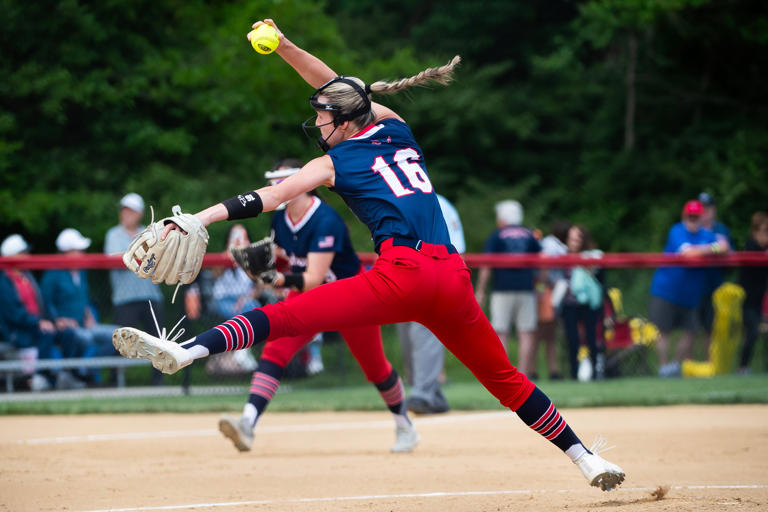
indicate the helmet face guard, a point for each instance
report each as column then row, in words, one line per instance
column 336, row 113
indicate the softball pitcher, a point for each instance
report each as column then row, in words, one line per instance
column 376, row 166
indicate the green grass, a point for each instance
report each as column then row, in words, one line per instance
column 342, row 387
column 469, row 395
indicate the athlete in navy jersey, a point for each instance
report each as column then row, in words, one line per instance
column 371, row 170
column 320, row 229
column 417, row 277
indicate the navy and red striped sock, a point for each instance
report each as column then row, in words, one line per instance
column 391, row 390
column 239, row 332
column 539, row 413
column 264, row 384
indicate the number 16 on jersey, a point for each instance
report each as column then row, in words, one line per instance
column 406, row 160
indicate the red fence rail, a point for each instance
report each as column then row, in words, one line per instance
column 608, row 260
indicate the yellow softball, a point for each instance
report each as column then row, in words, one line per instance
column 264, row 39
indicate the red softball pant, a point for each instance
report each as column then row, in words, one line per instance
column 429, row 286
column 364, row 343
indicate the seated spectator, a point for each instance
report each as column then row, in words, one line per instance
column 66, row 297
column 23, row 321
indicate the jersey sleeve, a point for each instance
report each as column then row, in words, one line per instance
column 328, row 236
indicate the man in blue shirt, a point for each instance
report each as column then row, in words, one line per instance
column 512, row 297
column 677, row 291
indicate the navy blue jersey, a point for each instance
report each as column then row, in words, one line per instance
column 321, row 229
column 381, row 175
column 512, row 240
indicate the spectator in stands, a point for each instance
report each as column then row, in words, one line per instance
column 130, row 293
column 66, row 296
column 423, row 353
column 512, row 297
column 581, row 305
column 23, row 319
column 754, row 280
column 715, row 275
column 676, row 292
column 553, row 244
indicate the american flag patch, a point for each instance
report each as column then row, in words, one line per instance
column 326, row 242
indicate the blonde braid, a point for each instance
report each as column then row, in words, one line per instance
column 442, row 75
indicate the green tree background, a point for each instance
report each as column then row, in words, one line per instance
column 611, row 113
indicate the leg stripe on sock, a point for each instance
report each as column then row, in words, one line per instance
column 264, row 385
column 548, row 426
column 551, row 424
column 238, row 333
column 248, row 328
column 227, row 336
column 557, row 432
column 258, row 376
column 543, row 418
column 393, row 395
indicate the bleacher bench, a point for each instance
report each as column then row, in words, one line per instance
column 10, row 369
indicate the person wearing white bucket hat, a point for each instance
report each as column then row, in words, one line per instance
column 130, row 293
column 24, row 322
column 66, row 296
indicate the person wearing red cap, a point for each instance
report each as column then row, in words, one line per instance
column 677, row 291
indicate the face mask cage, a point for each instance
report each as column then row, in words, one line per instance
column 338, row 116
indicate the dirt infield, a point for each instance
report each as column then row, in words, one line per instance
column 711, row 458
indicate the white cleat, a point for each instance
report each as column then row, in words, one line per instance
column 239, row 431
column 599, row 472
column 406, row 439
column 165, row 355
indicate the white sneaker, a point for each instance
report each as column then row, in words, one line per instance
column 599, row 472
column 165, row 355
column 406, row 439
column 239, row 431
